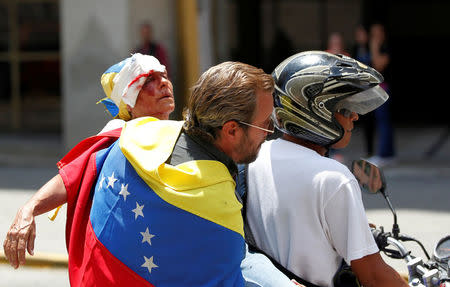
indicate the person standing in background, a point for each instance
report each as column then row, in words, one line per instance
column 336, row 44
column 360, row 49
column 148, row 46
column 361, row 52
column 380, row 60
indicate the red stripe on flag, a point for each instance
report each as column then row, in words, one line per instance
column 100, row 268
column 90, row 263
column 88, row 146
column 78, row 172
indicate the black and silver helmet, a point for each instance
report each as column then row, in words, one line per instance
column 311, row 86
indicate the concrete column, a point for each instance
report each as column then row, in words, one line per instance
column 221, row 31
column 205, row 37
column 94, row 35
column 188, row 45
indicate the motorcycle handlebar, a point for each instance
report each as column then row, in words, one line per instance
column 404, row 253
column 384, row 239
column 376, row 233
column 416, row 267
column 379, row 237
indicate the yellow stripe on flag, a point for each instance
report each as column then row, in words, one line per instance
column 204, row 187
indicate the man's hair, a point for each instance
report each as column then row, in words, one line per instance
column 224, row 92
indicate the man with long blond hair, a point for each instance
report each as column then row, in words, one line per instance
column 161, row 207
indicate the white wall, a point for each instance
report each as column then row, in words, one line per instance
column 94, row 35
column 205, row 29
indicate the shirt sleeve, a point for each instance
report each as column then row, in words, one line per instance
column 347, row 225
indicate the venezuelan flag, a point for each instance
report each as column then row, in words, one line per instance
column 107, row 81
column 154, row 224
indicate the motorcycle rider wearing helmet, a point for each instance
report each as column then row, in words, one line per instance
column 304, row 209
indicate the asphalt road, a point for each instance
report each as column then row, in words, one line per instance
column 21, row 183
column 419, row 188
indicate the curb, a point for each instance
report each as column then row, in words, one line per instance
column 42, row 260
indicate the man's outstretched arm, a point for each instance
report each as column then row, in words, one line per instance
column 22, row 233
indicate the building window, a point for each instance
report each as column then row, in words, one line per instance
column 30, row 92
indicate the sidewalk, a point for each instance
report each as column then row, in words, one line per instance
column 26, row 163
column 31, row 150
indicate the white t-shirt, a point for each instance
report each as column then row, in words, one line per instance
column 306, row 211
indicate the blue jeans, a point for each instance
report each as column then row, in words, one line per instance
column 385, row 130
column 258, row 271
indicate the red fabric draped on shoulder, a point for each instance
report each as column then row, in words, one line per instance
column 73, row 168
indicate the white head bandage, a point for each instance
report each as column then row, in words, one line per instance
column 129, row 81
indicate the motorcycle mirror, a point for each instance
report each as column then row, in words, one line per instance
column 369, row 176
column 371, row 179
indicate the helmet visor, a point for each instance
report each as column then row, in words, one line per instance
column 365, row 101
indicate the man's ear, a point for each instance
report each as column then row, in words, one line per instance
column 228, row 137
column 230, row 129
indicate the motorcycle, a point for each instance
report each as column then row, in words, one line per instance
column 432, row 272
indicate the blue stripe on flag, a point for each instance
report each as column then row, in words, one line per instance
column 164, row 244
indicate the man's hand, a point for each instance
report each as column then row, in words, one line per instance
column 20, row 236
column 22, row 232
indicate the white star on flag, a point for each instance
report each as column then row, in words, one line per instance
column 146, row 236
column 124, row 192
column 101, row 182
column 149, row 264
column 138, row 211
column 111, row 180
